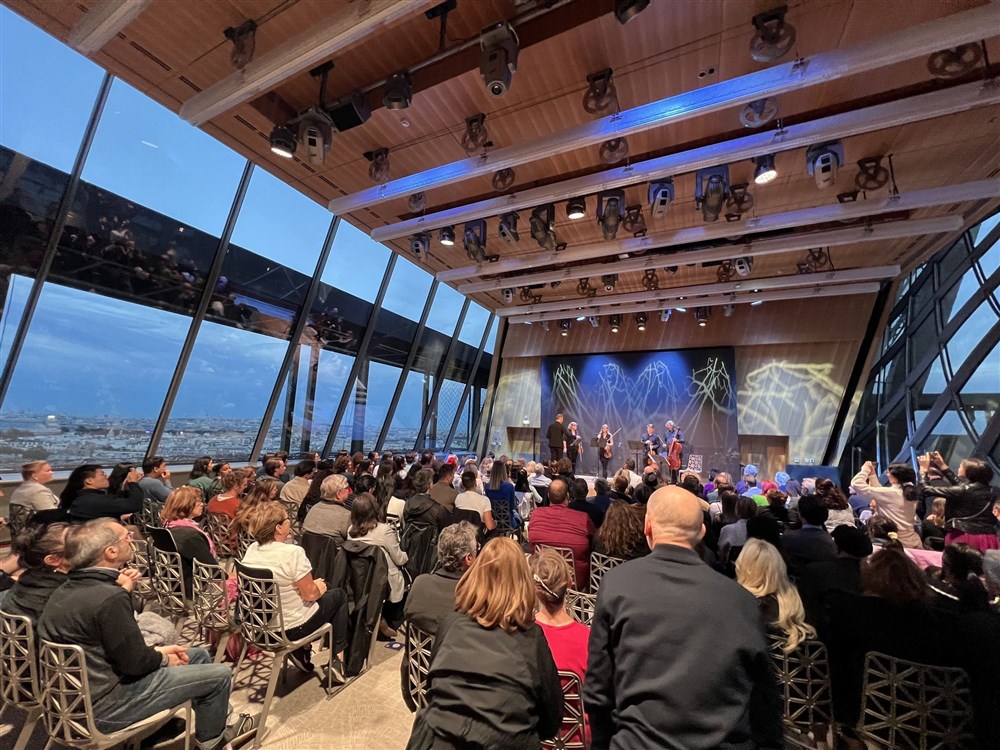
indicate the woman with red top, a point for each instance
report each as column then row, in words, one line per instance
column 234, row 484
column 566, row 637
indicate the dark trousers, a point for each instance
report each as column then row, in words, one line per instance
column 556, row 451
column 332, row 608
column 574, row 456
column 604, row 464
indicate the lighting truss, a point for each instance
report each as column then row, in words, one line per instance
column 830, row 238
column 689, row 293
column 878, row 117
column 824, row 67
column 831, row 290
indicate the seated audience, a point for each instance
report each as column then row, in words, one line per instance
column 557, row 525
column 129, row 681
column 843, row 573
column 202, row 476
column 40, row 551
column 651, row 481
column 471, row 499
column 122, row 477
column 386, row 484
column 836, row 503
column 86, row 497
column 720, row 483
column 897, row 502
column 306, row 603
column 32, row 492
column 762, row 572
column 723, row 512
column 183, row 506
column 330, row 516
column 275, row 468
column 932, row 530
column 735, row 534
column 295, row 490
column 525, row 494
column 620, row 488
column 958, row 586
column 764, row 528
column 420, row 508
column 579, row 489
column 442, row 491
column 366, row 529
column 537, row 478
column 312, row 496
column 432, row 595
column 234, row 484
column 264, row 490
column 363, row 483
column 776, row 508
column 621, row 533
column 812, row 542
column 626, row 690
column 749, row 479
column 969, row 503
column 155, row 482
column 500, row 491
column 475, row 698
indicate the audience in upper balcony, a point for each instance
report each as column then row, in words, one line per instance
column 32, row 492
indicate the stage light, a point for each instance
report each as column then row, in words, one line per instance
column 756, row 303
column 545, row 326
column 398, row 91
column 564, row 328
column 765, row 171
column 420, row 245
column 447, row 236
column 474, row 240
column 661, row 195
column 499, row 57
column 822, row 162
column 701, row 315
column 610, row 211
column 593, row 321
column 616, row 321
column 508, row 296
column 774, row 36
column 711, row 186
column 665, row 315
column 580, row 318
column 610, row 280
column 640, row 321
column 543, row 226
column 626, row 10
column 508, row 228
column 576, row 208
column 681, row 309
column 282, row 141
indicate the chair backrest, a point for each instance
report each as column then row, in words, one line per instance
column 168, row 573
column 566, row 552
column 217, row 527
column 581, row 606
column 599, row 565
column 68, row 714
column 906, row 704
column 804, row 680
column 293, row 517
column 18, row 662
column 243, row 542
column 17, row 517
column 209, row 599
column 258, row 608
column 148, row 517
column 572, row 732
column 501, row 514
column 418, row 663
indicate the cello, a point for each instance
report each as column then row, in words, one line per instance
column 674, row 455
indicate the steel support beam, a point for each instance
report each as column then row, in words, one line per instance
column 439, row 378
column 468, row 385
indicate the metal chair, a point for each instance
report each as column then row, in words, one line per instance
column 168, row 575
column 505, row 526
column 243, row 542
column 217, row 528
column 911, row 705
column 262, row 624
column 148, row 517
column 599, row 565
column 566, row 552
column 18, row 517
column 293, row 517
column 804, row 679
column 68, row 712
column 418, row 662
column 140, row 561
column 211, row 604
column 572, row 732
column 19, row 673
column 581, row 606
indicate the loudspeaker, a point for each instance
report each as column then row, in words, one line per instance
column 351, row 113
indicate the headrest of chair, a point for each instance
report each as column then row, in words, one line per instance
column 163, row 540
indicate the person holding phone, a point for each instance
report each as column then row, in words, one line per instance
column 969, row 501
column 897, row 501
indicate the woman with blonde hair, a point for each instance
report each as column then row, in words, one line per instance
column 492, row 681
column 761, row 571
column 264, row 490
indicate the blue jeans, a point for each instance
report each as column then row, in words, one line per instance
column 200, row 681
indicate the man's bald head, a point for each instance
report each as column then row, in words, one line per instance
column 674, row 516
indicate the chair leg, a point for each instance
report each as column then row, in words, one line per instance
column 220, row 649
column 30, row 722
column 188, row 722
column 272, row 683
column 243, row 652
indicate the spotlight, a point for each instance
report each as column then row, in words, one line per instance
column 765, row 171
column 640, row 321
column 665, row 315
column 711, row 186
column 756, row 302
column 728, row 310
column 626, row 10
column 398, row 91
column 576, row 208
column 420, row 245
column 474, row 240
column 499, row 57
column 681, row 309
column 609, row 280
column 447, row 236
column 610, row 211
column 545, row 326
column 593, row 321
column 616, row 321
column 315, row 134
column 282, row 141
column 508, row 228
column 580, row 318
column 661, row 195
column 822, row 162
column 543, row 226
column 701, row 315
column 743, row 265
column 508, row 296
column 564, row 328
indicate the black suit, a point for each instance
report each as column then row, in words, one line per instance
column 808, row 544
column 556, row 435
column 657, row 677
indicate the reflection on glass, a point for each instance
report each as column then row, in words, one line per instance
column 403, row 430
column 407, row 289
column 475, row 322
column 357, row 266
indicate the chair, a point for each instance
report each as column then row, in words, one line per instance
column 804, row 680
column 505, row 526
column 262, row 624
column 572, row 732
column 243, row 542
column 911, row 705
column 599, row 565
column 211, row 604
column 19, row 672
column 68, row 712
column 566, row 552
column 217, row 528
column 148, row 517
column 581, row 606
column 418, row 663
column 168, row 575
column 293, row 517
column 18, row 517
column 362, row 571
column 140, row 561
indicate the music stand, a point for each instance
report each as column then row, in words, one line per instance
column 593, row 444
column 638, row 447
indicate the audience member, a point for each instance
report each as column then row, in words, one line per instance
column 264, row 490
column 621, row 489
column 471, row 499
column 442, row 491
column 183, row 506
column 386, row 484
column 958, row 585
column 155, row 482
column 898, row 501
column 202, row 476
column 432, row 595
column 32, row 492
column 626, row 689
column 88, row 487
column 812, row 542
column 500, row 491
column 420, row 508
column 363, row 483
column 557, row 525
column 295, row 490
column 579, row 489
column 734, row 535
column 762, row 572
column 766, row 529
column 968, row 505
column 275, row 468
column 475, row 698
column 330, row 516
column 776, row 508
column 621, row 533
column 537, row 478
column 842, row 573
column 367, row 529
column 651, row 481
column 40, row 551
column 836, row 503
column 234, row 484
column 748, row 481
column 932, row 530
column 882, row 530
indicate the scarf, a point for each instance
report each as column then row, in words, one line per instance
column 192, row 525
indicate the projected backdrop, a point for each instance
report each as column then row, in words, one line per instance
column 696, row 388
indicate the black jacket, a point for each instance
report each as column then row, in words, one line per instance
column 967, row 507
column 658, row 678
column 92, row 611
column 423, row 510
column 363, row 572
column 431, row 600
column 491, row 689
column 31, row 593
column 91, row 504
column 585, row 506
column 192, row 545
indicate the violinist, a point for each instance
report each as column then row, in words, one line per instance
column 605, row 448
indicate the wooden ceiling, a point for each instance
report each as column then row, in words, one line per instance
column 176, row 48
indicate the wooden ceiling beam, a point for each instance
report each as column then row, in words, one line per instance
column 102, row 24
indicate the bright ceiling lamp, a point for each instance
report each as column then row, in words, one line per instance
column 824, row 67
column 764, row 172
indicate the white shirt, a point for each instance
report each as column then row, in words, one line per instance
column 539, row 480
column 288, row 563
column 34, row 495
column 473, row 501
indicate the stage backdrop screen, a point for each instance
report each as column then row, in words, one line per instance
column 696, row 388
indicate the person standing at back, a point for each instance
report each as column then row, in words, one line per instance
column 657, row 680
column 556, row 435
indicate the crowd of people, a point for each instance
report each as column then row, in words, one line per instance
column 704, row 578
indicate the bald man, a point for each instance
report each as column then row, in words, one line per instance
column 678, row 652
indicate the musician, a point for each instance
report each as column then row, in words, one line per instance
column 673, row 435
column 651, row 441
column 605, row 448
column 556, row 435
column 574, row 444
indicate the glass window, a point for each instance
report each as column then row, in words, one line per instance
column 445, row 310
column 968, row 336
column 475, row 322
column 405, row 427
column 952, row 260
column 951, row 438
column 447, row 406
column 461, row 439
column 989, row 262
column 921, row 298
column 357, row 264
column 407, row 290
column 895, row 433
column 894, row 331
column 921, row 341
column 491, row 340
column 960, row 293
column 982, row 231
column 980, row 395
column 381, row 384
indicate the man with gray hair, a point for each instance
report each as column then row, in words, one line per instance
column 649, row 647
column 130, row 681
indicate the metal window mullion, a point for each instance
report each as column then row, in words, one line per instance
column 468, row 384
column 361, row 355
column 291, row 391
column 215, row 270
column 491, row 392
column 293, row 342
column 52, row 245
column 439, row 378
column 410, row 358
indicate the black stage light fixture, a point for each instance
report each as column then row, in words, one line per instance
column 282, row 141
column 610, row 280
column 564, row 327
column 616, row 322
column 474, row 240
column 610, row 211
column 543, row 226
column 701, row 314
column 711, row 187
column 640, row 321
column 576, row 208
column 626, row 10
column 398, row 91
column 498, row 61
column 351, row 113
column 508, row 228
column 447, row 236
column 764, row 172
